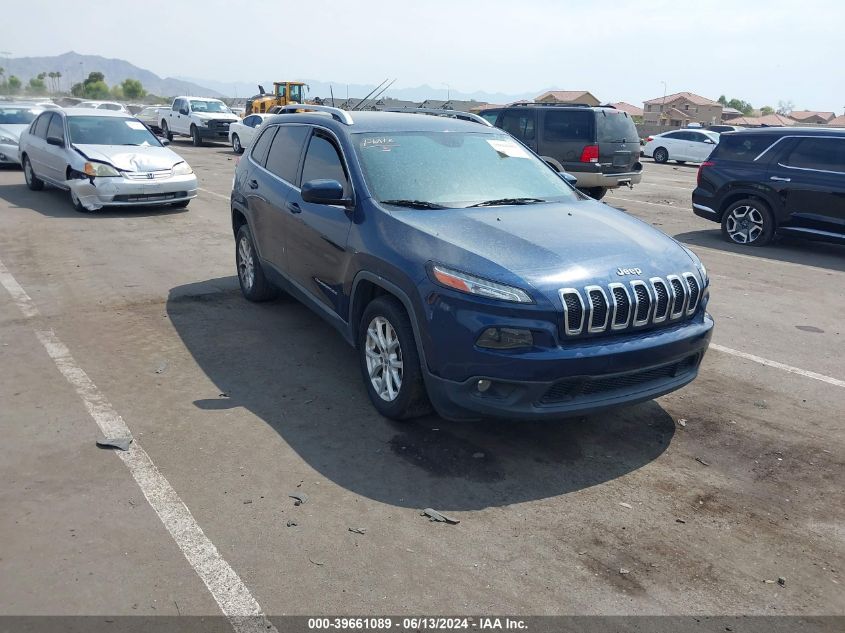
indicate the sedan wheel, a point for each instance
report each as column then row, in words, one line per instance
column 661, row 155
column 384, row 359
column 32, row 181
column 236, row 144
column 748, row 222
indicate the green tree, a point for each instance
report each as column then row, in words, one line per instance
column 133, row 89
column 117, row 91
column 37, row 85
column 13, row 85
column 97, row 90
column 723, row 100
column 766, row 110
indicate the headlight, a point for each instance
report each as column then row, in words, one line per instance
column 203, row 122
column 182, row 169
column 703, row 272
column 8, row 140
column 473, row 285
column 100, row 170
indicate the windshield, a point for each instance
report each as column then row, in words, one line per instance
column 17, row 116
column 208, row 106
column 615, row 127
column 102, row 130
column 455, row 169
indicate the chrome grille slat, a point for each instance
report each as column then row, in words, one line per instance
column 639, row 303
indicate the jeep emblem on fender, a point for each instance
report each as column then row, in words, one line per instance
column 628, row 271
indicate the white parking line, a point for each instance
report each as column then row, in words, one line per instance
column 773, row 363
column 213, row 193
column 228, row 590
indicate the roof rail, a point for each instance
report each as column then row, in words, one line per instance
column 451, row 114
column 552, row 105
column 339, row 115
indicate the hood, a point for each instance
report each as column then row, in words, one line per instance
column 13, row 130
column 216, row 116
column 550, row 246
column 131, row 158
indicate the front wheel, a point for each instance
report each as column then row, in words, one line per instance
column 748, row 222
column 236, row 144
column 254, row 284
column 661, row 155
column 390, row 363
column 195, row 136
column 32, row 181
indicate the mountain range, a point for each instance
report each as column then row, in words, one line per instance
column 75, row 67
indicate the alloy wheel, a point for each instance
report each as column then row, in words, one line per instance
column 744, row 224
column 236, row 144
column 246, row 263
column 27, row 172
column 384, row 359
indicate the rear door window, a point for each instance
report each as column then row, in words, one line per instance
column 519, row 123
column 283, row 157
column 615, row 127
column 819, row 154
column 742, row 147
column 569, row 125
column 262, row 145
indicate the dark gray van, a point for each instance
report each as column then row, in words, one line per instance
column 599, row 146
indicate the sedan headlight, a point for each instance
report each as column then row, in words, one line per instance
column 8, row 140
column 100, row 170
column 470, row 284
column 182, row 169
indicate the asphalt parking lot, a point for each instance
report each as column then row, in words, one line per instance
column 239, row 405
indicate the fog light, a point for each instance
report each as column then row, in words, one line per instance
column 505, row 338
column 483, row 385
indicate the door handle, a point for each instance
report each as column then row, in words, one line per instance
column 293, row 207
column 253, row 184
column 779, row 179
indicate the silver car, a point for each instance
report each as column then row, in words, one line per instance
column 103, row 158
column 14, row 119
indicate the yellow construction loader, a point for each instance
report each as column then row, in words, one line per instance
column 284, row 92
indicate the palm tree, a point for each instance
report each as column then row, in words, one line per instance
column 52, row 76
column 58, row 81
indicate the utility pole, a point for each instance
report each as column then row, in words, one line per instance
column 663, row 105
column 448, row 91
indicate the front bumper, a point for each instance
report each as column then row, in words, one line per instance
column 125, row 192
column 9, row 154
column 579, row 378
column 217, row 131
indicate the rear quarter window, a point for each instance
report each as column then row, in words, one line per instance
column 818, row 154
column 742, row 147
column 570, row 125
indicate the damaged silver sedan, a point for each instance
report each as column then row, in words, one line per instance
column 104, row 159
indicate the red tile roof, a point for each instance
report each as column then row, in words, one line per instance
column 564, row 95
column 802, row 115
column 629, row 108
column 838, row 121
column 689, row 96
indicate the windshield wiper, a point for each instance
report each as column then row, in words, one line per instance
column 414, row 204
column 506, row 201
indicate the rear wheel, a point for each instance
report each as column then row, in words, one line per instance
column 597, row 193
column 390, row 363
column 165, row 131
column 661, row 155
column 236, row 144
column 195, row 136
column 254, row 285
column 32, row 181
column 748, row 222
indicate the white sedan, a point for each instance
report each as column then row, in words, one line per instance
column 681, row 145
column 242, row 133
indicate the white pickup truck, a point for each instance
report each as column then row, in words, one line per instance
column 201, row 118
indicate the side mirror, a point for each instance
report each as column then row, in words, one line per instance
column 324, row 192
column 55, row 140
column 163, row 140
column 572, row 180
column 710, row 141
column 183, row 111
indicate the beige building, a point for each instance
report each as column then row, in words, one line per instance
column 568, row 96
column 681, row 109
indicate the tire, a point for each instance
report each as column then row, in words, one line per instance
column 236, row 144
column 77, row 205
column 596, row 193
column 165, row 131
column 390, row 363
column 748, row 222
column 32, row 181
column 254, row 284
column 196, row 139
column 181, row 204
column 661, row 155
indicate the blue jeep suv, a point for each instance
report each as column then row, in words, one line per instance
column 467, row 273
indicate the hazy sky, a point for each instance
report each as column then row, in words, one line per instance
column 757, row 50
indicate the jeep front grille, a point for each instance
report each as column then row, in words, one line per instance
column 619, row 306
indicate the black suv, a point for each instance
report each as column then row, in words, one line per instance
column 789, row 181
column 599, row 146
